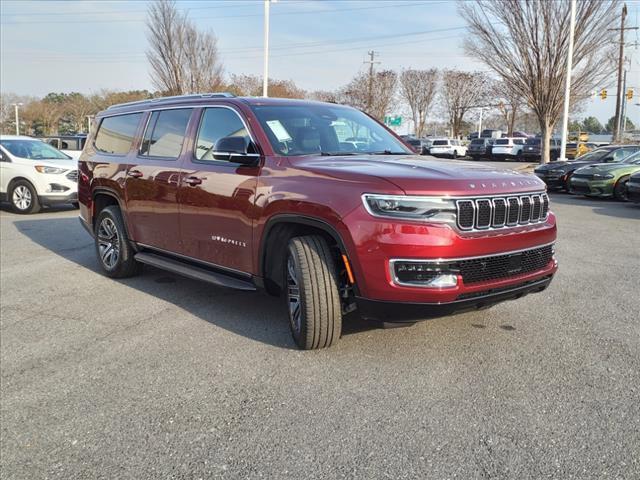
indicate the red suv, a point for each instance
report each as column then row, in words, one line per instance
column 313, row 201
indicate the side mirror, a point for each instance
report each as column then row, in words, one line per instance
column 234, row 149
column 3, row 157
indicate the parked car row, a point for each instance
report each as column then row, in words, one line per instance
column 604, row 172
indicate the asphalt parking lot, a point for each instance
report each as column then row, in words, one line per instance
column 163, row 377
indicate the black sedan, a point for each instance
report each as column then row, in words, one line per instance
column 557, row 174
column 633, row 188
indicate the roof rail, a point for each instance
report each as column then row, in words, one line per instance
column 161, row 100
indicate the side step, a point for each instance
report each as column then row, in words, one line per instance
column 194, row 272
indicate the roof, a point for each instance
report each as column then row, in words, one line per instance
column 199, row 99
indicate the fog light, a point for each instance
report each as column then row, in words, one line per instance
column 421, row 274
column 56, row 187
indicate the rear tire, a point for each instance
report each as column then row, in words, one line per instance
column 23, row 198
column 113, row 247
column 312, row 297
column 620, row 189
column 455, row 155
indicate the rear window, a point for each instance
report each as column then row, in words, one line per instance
column 502, row 141
column 532, row 141
column 415, row 143
column 116, row 134
column 440, row 142
column 165, row 133
column 572, row 145
column 478, row 141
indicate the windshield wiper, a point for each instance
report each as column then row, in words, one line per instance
column 337, row 154
column 386, row 152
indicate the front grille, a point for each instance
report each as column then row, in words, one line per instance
column 72, row 175
column 580, row 188
column 503, row 266
column 500, row 212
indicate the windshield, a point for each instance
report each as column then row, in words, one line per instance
column 324, row 129
column 33, row 150
column 593, row 156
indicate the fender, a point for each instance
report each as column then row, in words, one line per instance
column 112, row 193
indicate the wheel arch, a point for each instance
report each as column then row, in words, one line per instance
column 276, row 234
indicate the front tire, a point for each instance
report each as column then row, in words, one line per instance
column 23, row 197
column 620, row 189
column 312, row 297
column 113, row 247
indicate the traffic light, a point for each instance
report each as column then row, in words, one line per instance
column 603, row 94
column 630, row 94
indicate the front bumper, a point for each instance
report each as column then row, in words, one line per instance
column 591, row 188
column 399, row 312
column 58, row 199
column 553, row 181
column 377, row 242
column 633, row 192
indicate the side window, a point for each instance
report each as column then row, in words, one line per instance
column 116, row 134
column 54, row 142
column 64, row 145
column 217, row 123
column 165, row 133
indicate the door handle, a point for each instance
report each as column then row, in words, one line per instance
column 193, row 181
column 135, row 173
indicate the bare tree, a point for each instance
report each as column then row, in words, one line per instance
column 418, row 89
column 251, row 85
column 356, row 93
column 526, row 43
column 509, row 103
column 462, row 91
column 182, row 59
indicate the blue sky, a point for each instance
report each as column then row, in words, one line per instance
column 320, row 44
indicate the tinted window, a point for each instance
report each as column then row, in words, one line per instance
column 415, row 143
column 441, row 142
column 218, row 123
column 165, row 133
column 532, row 141
column 478, row 141
column 116, row 133
column 502, row 141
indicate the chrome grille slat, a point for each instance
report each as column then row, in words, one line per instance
column 501, row 211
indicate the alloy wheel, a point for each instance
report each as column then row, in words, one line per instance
column 293, row 295
column 108, row 243
column 22, row 197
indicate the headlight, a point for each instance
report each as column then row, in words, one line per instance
column 599, row 176
column 45, row 169
column 429, row 209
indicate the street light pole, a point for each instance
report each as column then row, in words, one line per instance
column 567, row 86
column 16, row 105
column 480, row 122
column 265, row 74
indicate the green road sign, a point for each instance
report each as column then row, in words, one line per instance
column 393, row 121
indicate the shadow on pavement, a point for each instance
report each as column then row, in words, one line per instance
column 599, row 206
column 254, row 315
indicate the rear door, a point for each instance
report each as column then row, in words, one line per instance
column 216, row 196
column 153, row 177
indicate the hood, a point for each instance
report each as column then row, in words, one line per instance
column 417, row 175
column 566, row 166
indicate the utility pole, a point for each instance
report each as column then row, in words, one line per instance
column 622, row 126
column 371, row 62
column 480, row 122
column 567, row 86
column 617, row 123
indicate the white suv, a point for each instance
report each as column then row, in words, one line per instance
column 510, row 147
column 33, row 173
column 447, row 147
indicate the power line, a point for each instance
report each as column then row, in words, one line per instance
column 315, row 12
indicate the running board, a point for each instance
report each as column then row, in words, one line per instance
column 190, row 271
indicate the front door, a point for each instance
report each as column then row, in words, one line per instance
column 153, row 177
column 217, row 197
